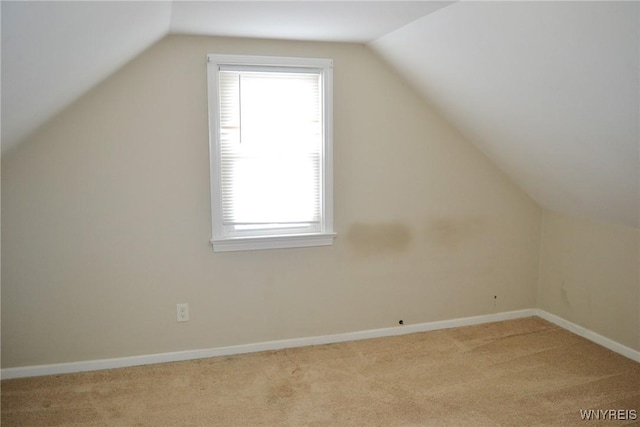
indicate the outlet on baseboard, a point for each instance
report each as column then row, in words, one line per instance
column 183, row 312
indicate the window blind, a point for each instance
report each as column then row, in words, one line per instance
column 271, row 148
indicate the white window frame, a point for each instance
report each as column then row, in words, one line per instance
column 220, row 239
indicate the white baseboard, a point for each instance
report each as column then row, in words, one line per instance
column 94, row 365
column 590, row 335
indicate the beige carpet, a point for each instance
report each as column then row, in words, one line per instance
column 519, row 372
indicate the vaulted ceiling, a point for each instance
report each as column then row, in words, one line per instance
column 54, row 51
column 548, row 90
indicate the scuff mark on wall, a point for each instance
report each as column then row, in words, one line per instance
column 375, row 239
column 565, row 295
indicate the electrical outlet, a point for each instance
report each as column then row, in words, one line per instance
column 183, row 312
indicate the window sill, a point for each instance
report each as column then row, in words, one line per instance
column 272, row 242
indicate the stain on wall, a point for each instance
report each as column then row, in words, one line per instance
column 452, row 232
column 376, row 239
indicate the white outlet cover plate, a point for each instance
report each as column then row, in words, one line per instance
column 182, row 312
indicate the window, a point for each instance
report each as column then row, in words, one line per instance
column 270, row 145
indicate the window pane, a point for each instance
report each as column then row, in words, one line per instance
column 272, row 189
column 271, row 147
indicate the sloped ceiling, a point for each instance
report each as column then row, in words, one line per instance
column 54, row 51
column 548, row 90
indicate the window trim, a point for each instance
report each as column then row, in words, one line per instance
column 222, row 242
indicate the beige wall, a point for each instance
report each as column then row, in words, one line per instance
column 106, row 226
column 590, row 275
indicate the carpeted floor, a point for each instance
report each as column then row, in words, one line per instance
column 515, row 373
